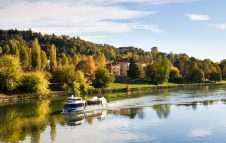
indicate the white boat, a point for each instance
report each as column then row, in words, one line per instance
column 77, row 104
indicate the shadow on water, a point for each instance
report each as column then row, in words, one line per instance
column 22, row 120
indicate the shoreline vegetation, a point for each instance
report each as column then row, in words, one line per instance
column 35, row 65
column 121, row 90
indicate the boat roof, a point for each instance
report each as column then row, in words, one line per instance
column 72, row 97
column 76, row 102
column 96, row 99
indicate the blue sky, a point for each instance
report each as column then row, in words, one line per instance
column 195, row 27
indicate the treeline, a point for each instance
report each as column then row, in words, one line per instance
column 176, row 68
column 31, row 60
column 28, row 65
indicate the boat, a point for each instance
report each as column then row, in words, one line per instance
column 78, row 104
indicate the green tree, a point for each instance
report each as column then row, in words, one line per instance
column 34, row 82
column 64, row 59
column 175, row 76
column 64, row 74
column 154, row 52
column 102, row 78
column 197, row 75
column 44, row 60
column 10, row 71
column 1, row 51
column 134, row 70
column 75, row 60
column 24, row 56
column 53, row 59
column 36, row 55
column 215, row 76
column 14, row 46
column 159, row 71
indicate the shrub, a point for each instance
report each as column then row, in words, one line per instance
column 34, row 82
column 10, row 70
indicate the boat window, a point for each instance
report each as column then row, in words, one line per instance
column 94, row 102
column 73, row 105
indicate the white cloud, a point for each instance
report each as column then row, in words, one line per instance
column 221, row 26
column 78, row 17
column 200, row 132
column 198, row 17
column 67, row 17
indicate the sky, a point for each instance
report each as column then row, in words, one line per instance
column 194, row 27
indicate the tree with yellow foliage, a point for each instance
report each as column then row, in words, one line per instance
column 100, row 60
column 87, row 66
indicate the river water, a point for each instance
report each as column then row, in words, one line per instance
column 190, row 115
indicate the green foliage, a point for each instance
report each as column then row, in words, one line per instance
column 68, row 76
column 215, row 76
column 175, row 76
column 36, row 55
column 159, row 71
column 102, row 78
column 34, row 82
column 10, row 71
column 44, row 60
column 64, row 59
column 64, row 74
column 1, row 51
column 197, row 75
column 53, row 60
column 75, row 89
column 24, row 56
column 134, row 70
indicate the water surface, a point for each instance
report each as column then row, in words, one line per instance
column 192, row 115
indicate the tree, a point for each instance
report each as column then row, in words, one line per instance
column 197, row 75
column 64, row 59
column 215, row 76
column 159, row 71
column 14, row 46
column 44, row 60
column 9, row 73
column 154, row 52
column 75, row 60
column 134, row 71
column 102, row 78
column 64, row 74
column 175, row 76
column 100, row 60
column 53, row 60
column 36, row 55
column 87, row 66
column 34, row 82
column 24, row 56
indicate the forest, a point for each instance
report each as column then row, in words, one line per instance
column 31, row 61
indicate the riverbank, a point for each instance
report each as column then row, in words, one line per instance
column 123, row 87
column 113, row 88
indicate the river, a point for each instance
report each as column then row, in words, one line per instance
column 189, row 115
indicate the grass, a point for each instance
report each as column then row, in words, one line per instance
column 124, row 85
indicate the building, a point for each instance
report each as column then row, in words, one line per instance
column 114, row 68
column 124, row 67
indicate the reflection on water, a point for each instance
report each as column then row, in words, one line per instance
column 76, row 119
column 182, row 115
